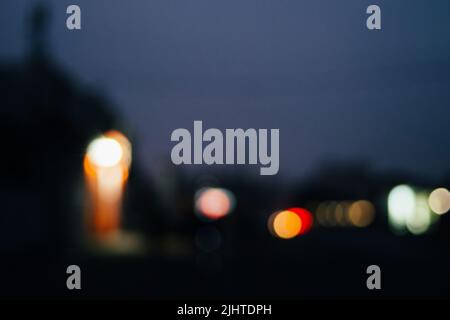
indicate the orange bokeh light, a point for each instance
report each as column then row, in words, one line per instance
column 290, row 223
column 287, row 224
column 361, row 213
column 105, row 183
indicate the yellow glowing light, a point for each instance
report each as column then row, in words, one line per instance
column 361, row 213
column 105, row 152
column 287, row 224
column 214, row 203
column 439, row 200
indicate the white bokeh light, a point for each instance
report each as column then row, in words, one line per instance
column 105, row 152
column 401, row 206
column 420, row 221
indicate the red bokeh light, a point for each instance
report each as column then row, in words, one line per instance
column 306, row 217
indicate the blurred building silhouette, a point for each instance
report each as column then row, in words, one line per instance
column 47, row 119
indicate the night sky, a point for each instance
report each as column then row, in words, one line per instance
column 336, row 90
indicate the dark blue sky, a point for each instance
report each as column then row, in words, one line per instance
column 311, row 68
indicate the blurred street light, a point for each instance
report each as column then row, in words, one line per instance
column 439, row 200
column 361, row 213
column 420, row 221
column 409, row 210
column 214, row 203
column 106, row 166
column 290, row 223
column 350, row 213
column 401, row 206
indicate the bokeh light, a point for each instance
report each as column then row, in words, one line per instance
column 420, row 221
column 401, row 206
column 361, row 213
column 340, row 216
column 330, row 213
column 305, row 217
column 106, row 168
column 270, row 221
column 105, row 152
column 321, row 214
column 439, row 200
column 409, row 210
column 287, row 224
column 214, row 203
column 348, row 213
